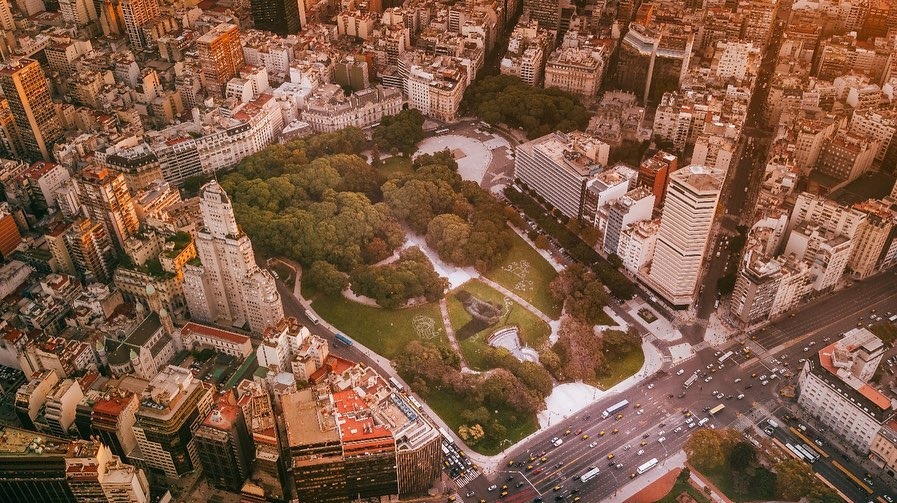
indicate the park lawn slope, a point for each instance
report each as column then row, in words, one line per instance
column 528, row 274
column 621, row 366
column 384, row 331
column 533, row 331
column 446, row 404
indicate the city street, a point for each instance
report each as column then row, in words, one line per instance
column 817, row 323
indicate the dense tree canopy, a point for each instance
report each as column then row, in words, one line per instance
column 501, row 99
column 400, row 132
column 394, row 284
column 581, row 292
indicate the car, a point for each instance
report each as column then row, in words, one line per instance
column 678, row 429
column 818, row 442
column 537, row 471
column 638, row 406
column 737, row 380
column 579, row 431
column 708, row 378
column 520, row 484
column 627, row 447
column 680, row 395
column 749, row 386
column 651, row 386
column 615, row 431
column 492, row 488
column 529, row 467
column 640, row 452
column 559, row 464
column 610, row 456
column 556, row 441
column 643, row 443
column 680, row 372
column 585, row 437
column 544, row 459
column 601, row 433
column 592, row 445
column 661, row 440
column 888, row 498
column 504, row 487
column 567, row 432
column 763, row 377
column 640, row 412
column 469, row 494
column 619, row 416
column 806, row 349
column 632, row 475
column 764, row 383
column 619, row 465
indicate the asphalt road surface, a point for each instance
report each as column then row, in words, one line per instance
column 778, row 347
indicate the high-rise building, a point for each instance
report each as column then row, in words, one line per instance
column 41, row 468
column 558, row 166
column 90, row 250
column 546, row 12
column 654, row 173
column 228, row 287
column 283, row 17
column 37, row 124
column 634, row 206
column 220, row 56
column 685, row 226
column 653, row 59
column 104, row 195
column 170, row 412
column 834, row 388
column 136, row 14
column 225, row 447
column 9, row 232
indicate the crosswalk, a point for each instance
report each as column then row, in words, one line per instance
column 466, row 477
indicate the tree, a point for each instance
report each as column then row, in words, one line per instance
column 394, row 284
column 683, row 476
column 743, row 456
column 471, row 435
column 325, row 277
column 401, row 132
column 448, row 236
column 541, row 242
column 583, row 295
column 705, row 449
column 793, row 480
column 579, row 351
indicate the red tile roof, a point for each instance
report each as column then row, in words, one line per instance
column 213, row 332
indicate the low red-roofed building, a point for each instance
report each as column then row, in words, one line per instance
column 223, row 341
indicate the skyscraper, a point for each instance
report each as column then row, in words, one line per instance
column 90, row 250
column 220, row 56
column 37, row 125
column 684, row 230
column 104, row 194
column 137, row 13
column 225, row 447
column 228, row 287
column 170, row 412
column 280, row 16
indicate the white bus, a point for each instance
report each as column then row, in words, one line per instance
column 311, row 317
column 614, row 408
column 589, row 475
column 647, row 466
column 725, row 356
column 691, row 380
column 797, row 452
column 396, row 384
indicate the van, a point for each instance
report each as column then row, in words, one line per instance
column 704, row 421
column 740, row 396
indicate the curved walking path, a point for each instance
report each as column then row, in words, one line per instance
column 450, row 334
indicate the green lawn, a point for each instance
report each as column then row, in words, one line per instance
column 755, row 490
column 385, row 331
column 396, row 165
column 621, row 367
column 536, row 274
column 533, row 330
column 681, row 487
column 446, row 404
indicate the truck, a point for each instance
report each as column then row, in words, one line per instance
column 691, row 380
column 614, row 408
column 342, row 338
column 772, row 423
column 719, row 408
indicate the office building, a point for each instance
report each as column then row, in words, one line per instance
column 835, row 390
column 283, row 17
column 225, row 447
column 136, row 14
column 52, row 469
column 558, row 166
column 653, row 59
column 31, row 396
column 576, row 68
column 845, row 157
column 546, row 12
column 170, row 412
column 9, row 232
column 220, row 57
column 91, row 251
column 685, row 226
column 105, row 197
column 28, row 94
column 636, row 205
column 654, row 173
column 227, row 287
